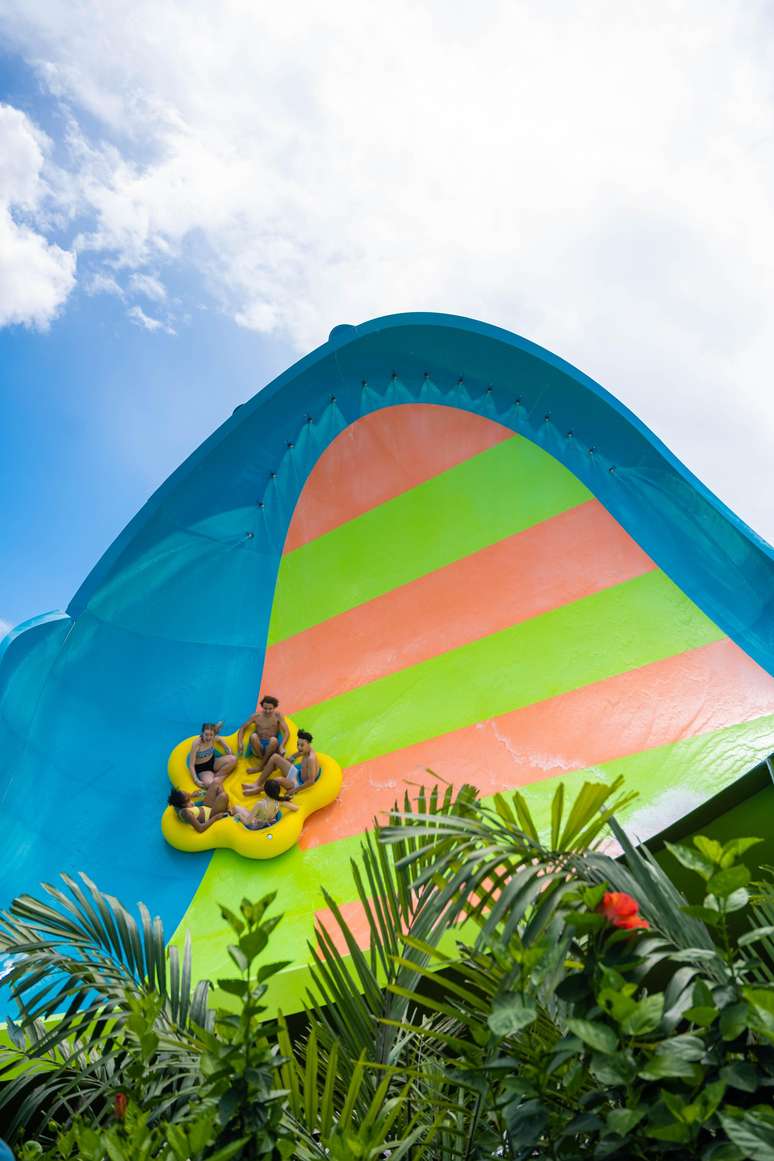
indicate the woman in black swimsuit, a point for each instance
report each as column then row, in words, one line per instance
column 204, row 762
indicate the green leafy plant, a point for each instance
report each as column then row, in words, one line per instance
column 522, row 996
column 143, row 1067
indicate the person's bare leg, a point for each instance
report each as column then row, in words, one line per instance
column 216, row 798
column 285, row 783
column 270, row 750
column 276, row 762
column 224, row 765
column 257, row 748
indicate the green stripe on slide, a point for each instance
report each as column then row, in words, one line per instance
column 298, row 878
column 495, row 494
column 621, row 628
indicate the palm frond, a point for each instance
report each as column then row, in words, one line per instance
column 78, row 959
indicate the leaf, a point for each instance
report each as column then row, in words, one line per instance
column 15, row 1034
column 675, row 1057
column 623, row 1120
column 675, row 1132
column 751, row 1131
column 759, row 933
column 238, row 957
column 723, row 1151
column 703, row 1016
column 724, row 883
column 526, row 1123
column 233, row 987
column 267, row 970
column 557, row 807
column 229, row 1102
column 693, row 860
column 236, row 924
column 645, row 1017
column 741, row 1074
column 710, row 848
column 253, row 943
column 618, row 1069
column 736, row 847
column 586, row 921
column 510, row 1014
column 707, row 915
column 525, row 817
column 762, row 1001
column 233, row 1149
column 600, row 1037
column 733, row 1020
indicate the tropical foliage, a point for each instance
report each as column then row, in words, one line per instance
column 523, row 995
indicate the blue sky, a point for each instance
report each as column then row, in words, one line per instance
column 97, row 411
column 96, row 414
column 191, row 197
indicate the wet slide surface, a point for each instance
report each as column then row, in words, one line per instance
column 455, row 553
column 451, row 599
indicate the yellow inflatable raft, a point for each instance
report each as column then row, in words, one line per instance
column 228, row 832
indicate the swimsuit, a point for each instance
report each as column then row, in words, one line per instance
column 195, row 806
column 264, row 741
column 201, row 765
column 259, row 825
column 300, row 778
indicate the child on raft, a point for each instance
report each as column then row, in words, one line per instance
column 298, row 772
column 266, row 810
column 269, row 735
column 198, row 812
column 205, row 764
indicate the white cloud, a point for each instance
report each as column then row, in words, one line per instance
column 148, row 286
column 36, row 276
column 103, row 284
column 141, row 319
column 595, row 176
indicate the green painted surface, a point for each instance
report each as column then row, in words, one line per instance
column 620, row 628
column 671, row 780
column 297, row 877
column 495, row 494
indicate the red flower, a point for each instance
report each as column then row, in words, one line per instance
column 119, row 1105
column 621, row 910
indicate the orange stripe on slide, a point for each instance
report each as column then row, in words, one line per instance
column 382, row 455
column 553, row 563
column 356, row 919
column 693, row 693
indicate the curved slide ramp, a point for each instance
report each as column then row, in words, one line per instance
column 443, row 549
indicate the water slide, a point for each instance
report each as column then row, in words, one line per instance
column 444, row 549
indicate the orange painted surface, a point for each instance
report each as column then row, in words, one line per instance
column 356, row 919
column 383, row 454
column 553, row 563
column 693, row 693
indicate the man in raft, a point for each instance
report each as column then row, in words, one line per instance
column 268, row 731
